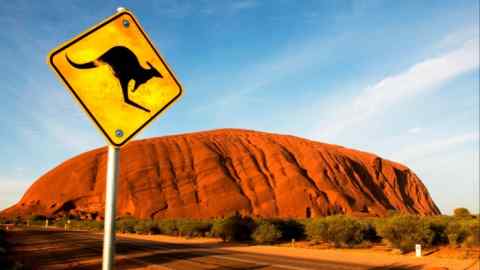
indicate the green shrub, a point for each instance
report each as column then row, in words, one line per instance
column 266, row 232
column 290, row 229
column 369, row 231
column 94, row 225
column 461, row 213
column 167, row 226
column 18, row 221
column 339, row 230
column 317, row 230
column 140, row 228
column 473, row 229
column 404, row 231
column 193, row 228
column 152, row 227
column 126, row 225
column 438, row 225
column 144, row 227
column 456, row 232
column 233, row 228
column 37, row 218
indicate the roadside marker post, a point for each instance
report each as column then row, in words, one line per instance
column 122, row 83
column 418, row 250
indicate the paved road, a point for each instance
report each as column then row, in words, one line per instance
column 38, row 249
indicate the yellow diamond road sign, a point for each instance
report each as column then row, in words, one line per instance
column 116, row 74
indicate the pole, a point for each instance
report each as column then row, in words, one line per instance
column 110, row 205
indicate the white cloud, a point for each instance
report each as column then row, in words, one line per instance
column 448, row 166
column 454, row 39
column 394, row 89
column 412, row 153
column 290, row 61
column 415, row 130
column 245, row 4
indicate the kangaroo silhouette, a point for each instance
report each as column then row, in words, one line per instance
column 125, row 67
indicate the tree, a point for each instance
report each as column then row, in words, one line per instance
column 266, row 233
column 461, row 212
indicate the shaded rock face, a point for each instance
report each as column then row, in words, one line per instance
column 216, row 173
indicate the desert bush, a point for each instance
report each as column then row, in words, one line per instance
column 339, row 230
column 404, row 231
column 60, row 222
column 37, row 218
column 461, row 212
column 473, row 229
column 91, row 225
column 145, row 227
column 126, row 225
column 233, row 228
column 18, row 221
column 167, row 226
column 316, row 229
column 369, row 231
column 193, row 228
column 456, row 232
column 140, row 227
column 438, row 225
column 94, row 225
column 290, row 229
column 266, row 232
column 152, row 227
column 343, row 230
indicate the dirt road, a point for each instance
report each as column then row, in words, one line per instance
column 38, row 249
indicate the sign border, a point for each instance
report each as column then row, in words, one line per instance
column 77, row 98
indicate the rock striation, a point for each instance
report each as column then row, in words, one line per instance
column 216, row 173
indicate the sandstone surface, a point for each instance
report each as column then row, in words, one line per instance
column 216, row 173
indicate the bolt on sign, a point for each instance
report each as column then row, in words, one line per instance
column 118, row 77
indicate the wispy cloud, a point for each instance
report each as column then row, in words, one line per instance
column 415, row 130
column 412, row 153
column 287, row 62
column 244, row 4
column 455, row 38
column 396, row 88
column 181, row 9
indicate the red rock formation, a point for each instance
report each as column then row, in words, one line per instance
column 215, row 173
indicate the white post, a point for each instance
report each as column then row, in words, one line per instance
column 418, row 250
column 110, row 205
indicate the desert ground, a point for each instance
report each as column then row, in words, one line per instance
column 56, row 249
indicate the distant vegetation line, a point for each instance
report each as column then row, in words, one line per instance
column 399, row 231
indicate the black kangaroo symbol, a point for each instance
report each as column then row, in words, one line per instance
column 125, row 67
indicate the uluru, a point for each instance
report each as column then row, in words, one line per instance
column 220, row 172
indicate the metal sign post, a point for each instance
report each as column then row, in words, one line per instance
column 120, row 43
column 110, row 207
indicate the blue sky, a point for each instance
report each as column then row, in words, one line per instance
column 396, row 78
